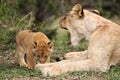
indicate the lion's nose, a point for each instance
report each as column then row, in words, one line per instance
column 42, row 61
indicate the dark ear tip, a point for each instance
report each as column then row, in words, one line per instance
column 96, row 12
column 59, row 59
column 34, row 44
column 49, row 42
column 77, row 7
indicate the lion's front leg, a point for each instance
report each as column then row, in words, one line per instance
column 30, row 59
column 48, row 69
column 21, row 57
column 76, row 55
column 58, row 68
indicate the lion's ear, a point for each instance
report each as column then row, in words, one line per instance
column 34, row 44
column 95, row 11
column 50, row 44
column 77, row 11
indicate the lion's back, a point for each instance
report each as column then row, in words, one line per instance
column 25, row 38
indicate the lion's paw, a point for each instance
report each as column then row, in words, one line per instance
column 50, row 70
column 39, row 66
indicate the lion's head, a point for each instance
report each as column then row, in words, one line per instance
column 78, row 22
column 70, row 20
column 42, row 49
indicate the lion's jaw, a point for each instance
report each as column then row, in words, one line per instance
column 75, row 33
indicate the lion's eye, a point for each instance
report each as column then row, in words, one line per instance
column 45, row 56
column 38, row 55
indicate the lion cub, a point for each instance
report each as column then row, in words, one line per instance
column 31, row 45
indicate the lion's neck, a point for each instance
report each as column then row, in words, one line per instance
column 92, row 22
column 86, row 27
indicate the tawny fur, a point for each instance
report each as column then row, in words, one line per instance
column 104, row 43
column 32, row 45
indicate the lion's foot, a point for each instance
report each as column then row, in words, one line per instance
column 48, row 70
column 23, row 65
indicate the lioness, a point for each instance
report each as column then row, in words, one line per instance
column 30, row 44
column 104, row 43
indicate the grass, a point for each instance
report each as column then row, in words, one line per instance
column 7, row 71
column 10, row 72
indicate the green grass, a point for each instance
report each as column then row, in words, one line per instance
column 7, row 71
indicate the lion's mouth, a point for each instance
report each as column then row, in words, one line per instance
column 64, row 28
column 69, row 42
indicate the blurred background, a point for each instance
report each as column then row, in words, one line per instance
column 44, row 15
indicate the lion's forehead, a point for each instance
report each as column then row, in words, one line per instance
column 43, row 44
column 43, row 49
